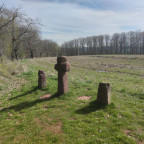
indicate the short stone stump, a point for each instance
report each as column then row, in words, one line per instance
column 104, row 93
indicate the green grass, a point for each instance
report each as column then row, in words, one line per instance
column 24, row 118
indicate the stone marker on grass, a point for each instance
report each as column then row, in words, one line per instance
column 41, row 79
column 104, row 96
column 62, row 67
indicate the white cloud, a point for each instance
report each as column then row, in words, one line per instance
column 66, row 21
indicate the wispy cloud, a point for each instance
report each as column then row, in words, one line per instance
column 100, row 4
column 65, row 20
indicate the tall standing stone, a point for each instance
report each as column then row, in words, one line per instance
column 62, row 67
column 41, row 79
column 104, row 93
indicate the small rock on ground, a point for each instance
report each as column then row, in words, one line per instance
column 84, row 98
column 45, row 96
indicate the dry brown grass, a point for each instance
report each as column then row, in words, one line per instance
column 9, row 79
column 55, row 128
column 129, row 133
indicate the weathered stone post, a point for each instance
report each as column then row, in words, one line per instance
column 41, row 79
column 104, row 96
column 62, row 67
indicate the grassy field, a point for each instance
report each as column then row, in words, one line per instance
column 26, row 119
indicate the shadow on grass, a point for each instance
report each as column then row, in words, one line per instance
column 27, row 104
column 92, row 107
column 138, row 95
column 26, row 93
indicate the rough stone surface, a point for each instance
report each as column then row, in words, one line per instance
column 61, row 59
column 104, row 95
column 62, row 67
column 41, row 79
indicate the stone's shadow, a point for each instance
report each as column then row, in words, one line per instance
column 92, row 107
column 26, row 93
column 27, row 104
column 138, row 95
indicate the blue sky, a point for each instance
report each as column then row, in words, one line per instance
column 64, row 20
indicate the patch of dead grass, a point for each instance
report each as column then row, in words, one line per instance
column 38, row 122
column 19, row 138
column 55, row 128
column 129, row 134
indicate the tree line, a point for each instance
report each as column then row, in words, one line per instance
column 119, row 43
column 20, row 36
